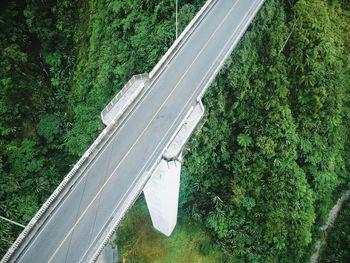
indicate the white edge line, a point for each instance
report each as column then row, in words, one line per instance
column 131, row 197
column 82, row 159
column 58, row 191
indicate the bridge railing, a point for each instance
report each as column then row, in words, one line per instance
column 75, row 174
column 60, row 192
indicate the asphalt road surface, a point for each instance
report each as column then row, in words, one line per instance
column 79, row 220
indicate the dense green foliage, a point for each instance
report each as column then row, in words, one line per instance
column 337, row 244
column 271, row 158
column 273, row 153
column 319, row 90
column 32, row 108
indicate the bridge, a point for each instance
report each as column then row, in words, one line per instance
column 147, row 125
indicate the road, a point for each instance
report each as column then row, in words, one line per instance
column 80, row 219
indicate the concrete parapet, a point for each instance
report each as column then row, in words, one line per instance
column 124, row 98
column 109, row 255
column 174, row 149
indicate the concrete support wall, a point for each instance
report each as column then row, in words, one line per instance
column 162, row 195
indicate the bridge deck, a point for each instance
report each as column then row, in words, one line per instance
column 80, row 219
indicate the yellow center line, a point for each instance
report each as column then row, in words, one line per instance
column 139, row 137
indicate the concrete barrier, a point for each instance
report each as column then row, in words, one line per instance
column 124, row 98
column 182, row 135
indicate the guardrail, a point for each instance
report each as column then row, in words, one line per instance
column 60, row 192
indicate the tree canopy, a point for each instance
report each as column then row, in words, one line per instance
column 273, row 152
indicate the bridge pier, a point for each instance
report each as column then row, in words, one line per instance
column 162, row 189
column 162, row 195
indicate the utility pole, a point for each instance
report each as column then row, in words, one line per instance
column 12, row 222
column 177, row 6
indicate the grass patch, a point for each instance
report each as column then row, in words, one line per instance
column 138, row 241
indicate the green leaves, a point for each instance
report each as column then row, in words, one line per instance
column 320, row 95
column 49, row 127
column 275, row 145
column 244, row 140
column 286, row 134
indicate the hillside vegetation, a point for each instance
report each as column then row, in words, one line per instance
column 138, row 241
column 272, row 156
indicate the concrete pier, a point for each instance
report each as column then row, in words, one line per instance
column 162, row 189
column 162, row 196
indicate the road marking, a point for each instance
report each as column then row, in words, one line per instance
column 233, row 34
column 114, row 134
column 138, row 138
